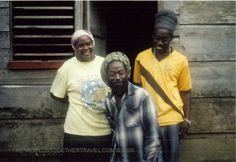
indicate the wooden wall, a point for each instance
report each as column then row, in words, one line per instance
column 206, row 35
column 31, row 120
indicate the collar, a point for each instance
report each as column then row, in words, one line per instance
column 130, row 89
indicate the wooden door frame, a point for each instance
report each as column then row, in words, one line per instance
column 80, row 15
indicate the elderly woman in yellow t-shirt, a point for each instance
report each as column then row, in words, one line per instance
column 78, row 82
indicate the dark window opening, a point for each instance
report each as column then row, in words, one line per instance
column 129, row 26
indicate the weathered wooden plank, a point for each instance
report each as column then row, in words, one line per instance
column 209, row 148
column 213, row 115
column 175, row 44
column 4, row 57
column 213, row 79
column 4, row 40
column 172, row 5
column 207, row 12
column 28, row 77
column 4, row 17
column 35, row 102
column 4, row 4
column 29, row 102
column 208, row 42
column 26, row 135
column 78, row 15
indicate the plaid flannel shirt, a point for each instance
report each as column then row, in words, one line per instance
column 134, row 124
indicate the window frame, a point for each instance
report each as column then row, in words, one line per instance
column 41, row 64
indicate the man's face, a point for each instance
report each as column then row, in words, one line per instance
column 161, row 40
column 117, row 78
column 84, row 47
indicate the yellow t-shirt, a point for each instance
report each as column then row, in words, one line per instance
column 172, row 74
column 86, row 91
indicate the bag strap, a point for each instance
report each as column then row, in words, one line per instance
column 152, row 82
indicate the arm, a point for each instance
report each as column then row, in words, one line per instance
column 150, row 126
column 185, row 95
column 185, row 86
column 64, row 100
column 108, row 113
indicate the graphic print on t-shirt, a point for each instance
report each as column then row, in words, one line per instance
column 93, row 93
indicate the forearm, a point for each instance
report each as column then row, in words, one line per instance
column 186, row 101
column 186, row 108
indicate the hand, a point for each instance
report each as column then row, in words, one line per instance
column 184, row 128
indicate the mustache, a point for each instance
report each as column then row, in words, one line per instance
column 118, row 84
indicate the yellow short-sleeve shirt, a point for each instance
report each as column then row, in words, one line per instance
column 172, row 74
column 86, row 91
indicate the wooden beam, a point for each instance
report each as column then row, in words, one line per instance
column 24, row 65
column 207, row 12
column 85, row 14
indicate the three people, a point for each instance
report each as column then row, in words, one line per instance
column 131, row 113
column 78, row 82
column 164, row 73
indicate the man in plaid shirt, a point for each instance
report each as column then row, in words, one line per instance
column 130, row 112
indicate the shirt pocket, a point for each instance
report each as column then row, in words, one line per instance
column 132, row 117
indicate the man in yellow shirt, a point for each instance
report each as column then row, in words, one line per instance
column 165, row 74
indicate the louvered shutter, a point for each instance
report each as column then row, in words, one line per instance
column 41, row 30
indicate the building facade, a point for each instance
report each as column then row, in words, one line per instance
column 35, row 41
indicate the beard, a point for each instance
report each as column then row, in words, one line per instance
column 119, row 90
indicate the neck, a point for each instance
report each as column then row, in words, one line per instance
column 118, row 99
column 162, row 55
column 83, row 60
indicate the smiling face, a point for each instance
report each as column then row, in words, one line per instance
column 161, row 41
column 84, row 48
column 117, row 78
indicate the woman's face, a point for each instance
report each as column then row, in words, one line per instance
column 84, row 48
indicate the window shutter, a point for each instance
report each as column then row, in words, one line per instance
column 41, row 30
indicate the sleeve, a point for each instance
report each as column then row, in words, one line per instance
column 109, row 113
column 150, row 126
column 59, row 85
column 184, row 81
column 137, row 75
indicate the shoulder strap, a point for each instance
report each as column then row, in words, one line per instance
column 158, row 88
